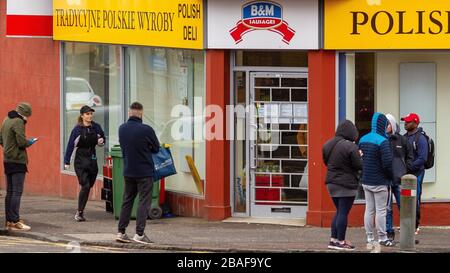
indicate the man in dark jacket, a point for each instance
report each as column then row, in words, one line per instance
column 420, row 148
column 343, row 160
column 402, row 158
column 376, row 178
column 15, row 161
column 138, row 141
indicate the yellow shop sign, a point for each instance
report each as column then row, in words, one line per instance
column 168, row 23
column 387, row 24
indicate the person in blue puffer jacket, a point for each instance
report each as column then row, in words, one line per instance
column 376, row 178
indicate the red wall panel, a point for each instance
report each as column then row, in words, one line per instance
column 30, row 71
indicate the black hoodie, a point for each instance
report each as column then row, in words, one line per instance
column 402, row 156
column 342, row 158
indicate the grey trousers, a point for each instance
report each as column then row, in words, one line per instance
column 133, row 186
column 375, row 214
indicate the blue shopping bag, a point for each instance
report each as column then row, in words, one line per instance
column 164, row 165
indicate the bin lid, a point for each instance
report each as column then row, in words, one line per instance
column 116, row 151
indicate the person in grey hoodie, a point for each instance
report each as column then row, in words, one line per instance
column 402, row 158
column 343, row 161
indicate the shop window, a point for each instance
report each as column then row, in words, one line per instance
column 92, row 77
column 357, row 101
column 364, row 91
column 162, row 79
column 399, row 82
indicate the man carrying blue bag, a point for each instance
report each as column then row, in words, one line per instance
column 138, row 142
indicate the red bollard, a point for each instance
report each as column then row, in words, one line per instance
column 162, row 192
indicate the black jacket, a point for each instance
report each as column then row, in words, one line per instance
column 78, row 138
column 402, row 157
column 138, row 141
column 343, row 161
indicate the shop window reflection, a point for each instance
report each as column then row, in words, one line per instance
column 92, row 77
column 164, row 80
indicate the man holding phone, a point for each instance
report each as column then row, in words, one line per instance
column 15, row 160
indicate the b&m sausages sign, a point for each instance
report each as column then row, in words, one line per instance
column 168, row 23
column 278, row 24
column 387, row 24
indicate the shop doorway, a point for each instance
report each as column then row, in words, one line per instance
column 271, row 164
column 278, row 145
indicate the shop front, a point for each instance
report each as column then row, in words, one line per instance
column 393, row 57
column 246, row 93
column 116, row 52
column 275, row 85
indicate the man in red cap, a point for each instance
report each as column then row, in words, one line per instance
column 420, row 147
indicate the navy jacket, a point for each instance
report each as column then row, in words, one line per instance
column 138, row 141
column 74, row 139
column 420, row 151
column 377, row 154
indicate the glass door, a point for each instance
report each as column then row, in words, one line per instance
column 278, row 144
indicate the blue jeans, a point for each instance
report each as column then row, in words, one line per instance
column 395, row 191
column 419, row 196
column 14, row 190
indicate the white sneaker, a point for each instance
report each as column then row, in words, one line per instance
column 122, row 238
column 373, row 246
column 19, row 226
column 142, row 239
column 417, row 231
column 370, row 239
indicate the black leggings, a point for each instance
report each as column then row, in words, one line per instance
column 339, row 225
column 86, row 179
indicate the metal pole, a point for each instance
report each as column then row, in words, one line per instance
column 408, row 201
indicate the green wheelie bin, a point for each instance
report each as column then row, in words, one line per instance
column 119, row 184
column 155, row 210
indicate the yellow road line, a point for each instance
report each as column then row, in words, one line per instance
column 8, row 241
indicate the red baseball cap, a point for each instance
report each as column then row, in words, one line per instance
column 411, row 117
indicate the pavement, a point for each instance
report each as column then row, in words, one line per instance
column 51, row 220
column 15, row 244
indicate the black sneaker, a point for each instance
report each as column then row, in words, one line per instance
column 391, row 235
column 123, row 238
column 142, row 239
column 79, row 217
column 344, row 246
column 387, row 243
column 333, row 245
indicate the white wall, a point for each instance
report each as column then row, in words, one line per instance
column 387, row 100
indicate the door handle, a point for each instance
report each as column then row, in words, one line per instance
column 254, row 146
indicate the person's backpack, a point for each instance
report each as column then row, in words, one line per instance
column 431, row 153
